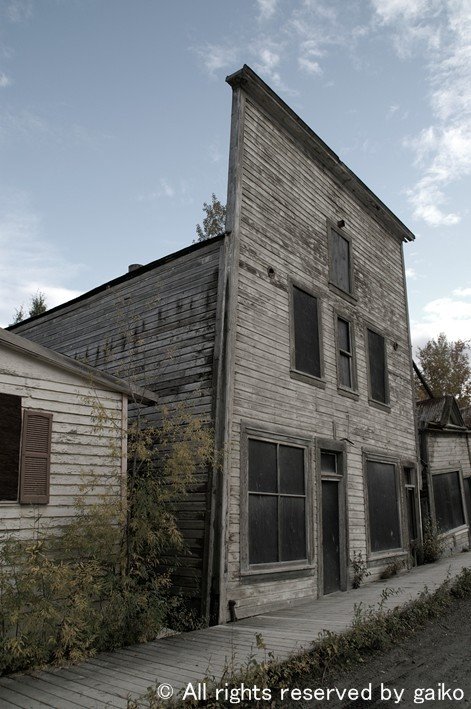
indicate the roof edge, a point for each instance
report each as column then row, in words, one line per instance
column 249, row 82
column 125, row 277
column 94, row 376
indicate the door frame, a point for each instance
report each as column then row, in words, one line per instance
column 340, row 449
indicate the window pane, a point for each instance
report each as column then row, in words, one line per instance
column 306, row 333
column 291, row 470
column 292, row 528
column 340, row 255
column 263, row 529
column 448, row 502
column 383, row 506
column 262, row 467
column 10, row 435
column 344, row 335
column 409, row 477
column 345, row 370
column 328, row 462
column 377, row 362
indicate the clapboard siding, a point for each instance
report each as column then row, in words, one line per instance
column 285, row 201
column 155, row 329
column 78, row 454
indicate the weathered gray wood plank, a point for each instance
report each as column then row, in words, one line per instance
column 112, row 677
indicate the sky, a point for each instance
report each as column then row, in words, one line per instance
column 115, row 117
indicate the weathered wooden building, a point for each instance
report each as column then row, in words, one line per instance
column 53, row 449
column 289, row 334
column 445, row 451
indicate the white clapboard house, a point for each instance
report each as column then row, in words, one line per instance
column 62, row 424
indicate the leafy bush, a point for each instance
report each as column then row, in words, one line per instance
column 360, row 569
column 432, row 545
column 98, row 582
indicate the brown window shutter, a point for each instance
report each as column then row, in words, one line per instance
column 35, row 457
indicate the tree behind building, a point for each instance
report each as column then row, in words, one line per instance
column 446, row 368
column 214, row 222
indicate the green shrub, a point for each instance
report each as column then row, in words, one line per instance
column 432, row 545
column 97, row 582
column 360, row 569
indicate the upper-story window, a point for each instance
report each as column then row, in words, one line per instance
column 306, row 337
column 340, row 251
column 346, row 374
column 377, row 368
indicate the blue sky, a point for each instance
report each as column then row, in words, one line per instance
column 114, row 128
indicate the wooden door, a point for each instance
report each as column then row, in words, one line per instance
column 331, row 535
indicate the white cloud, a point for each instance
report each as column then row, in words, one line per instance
column 166, row 189
column 267, row 8
column 217, row 56
column 310, row 66
column 28, row 263
column 450, row 315
column 267, row 61
column 19, row 10
column 4, row 80
column 411, row 273
column 181, row 191
column 426, row 198
column 442, row 150
column 462, row 292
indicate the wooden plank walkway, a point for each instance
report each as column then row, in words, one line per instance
column 109, row 679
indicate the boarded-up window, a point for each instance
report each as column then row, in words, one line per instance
column 377, row 367
column 307, row 358
column 448, row 500
column 277, row 503
column 10, row 436
column 35, row 457
column 340, row 261
column 345, row 354
column 383, row 507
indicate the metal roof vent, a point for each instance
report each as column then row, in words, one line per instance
column 134, row 267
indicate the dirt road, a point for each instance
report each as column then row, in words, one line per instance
column 430, row 669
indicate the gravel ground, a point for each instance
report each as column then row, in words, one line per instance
column 435, row 660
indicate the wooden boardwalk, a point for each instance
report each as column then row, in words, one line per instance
column 109, row 679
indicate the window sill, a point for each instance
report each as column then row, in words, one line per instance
column 379, row 405
column 455, row 530
column 379, row 555
column 307, row 378
column 343, row 294
column 350, row 393
column 270, row 571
